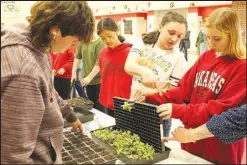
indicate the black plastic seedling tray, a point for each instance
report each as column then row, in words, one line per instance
column 83, row 116
column 159, row 156
column 78, row 149
column 142, row 120
column 84, row 103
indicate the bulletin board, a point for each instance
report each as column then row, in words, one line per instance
column 128, row 26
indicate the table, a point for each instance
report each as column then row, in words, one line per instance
column 177, row 155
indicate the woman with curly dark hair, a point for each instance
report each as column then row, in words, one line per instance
column 32, row 123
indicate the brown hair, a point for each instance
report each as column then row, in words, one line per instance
column 227, row 21
column 170, row 16
column 74, row 18
column 109, row 24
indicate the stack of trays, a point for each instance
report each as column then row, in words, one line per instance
column 80, row 103
column 78, row 149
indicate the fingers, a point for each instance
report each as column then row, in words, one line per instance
column 166, row 117
column 158, row 87
column 164, row 114
column 173, row 133
column 162, row 108
column 141, row 99
column 73, row 129
column 168, row 138
column 150, row 84
column 81, row 129
column 137, row 94
column 83, row 82
column 54, row 72
column 60, row 72
column 72, row 79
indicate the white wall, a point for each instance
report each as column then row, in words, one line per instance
column 15, row 11
column 150, row 23
column 193, row 26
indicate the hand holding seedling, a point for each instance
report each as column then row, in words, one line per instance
column 165, row 111
column 127, row 106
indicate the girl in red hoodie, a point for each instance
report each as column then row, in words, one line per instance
column 62, row 64
column 216, row 83
column 115, row 82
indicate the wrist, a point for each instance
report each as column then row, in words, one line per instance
column 191, row 135
column 89, row 77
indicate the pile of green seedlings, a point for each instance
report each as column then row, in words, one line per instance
column 126, row 143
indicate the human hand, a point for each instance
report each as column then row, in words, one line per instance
column 86, row 81
column 77, row 125
column 138, row 96
column 180, row 135
column 165, row 111
column 73, row 76
column 61, row 71
column 150, row 80
column 54, row 72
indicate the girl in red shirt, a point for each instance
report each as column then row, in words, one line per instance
column 62, row 64
column 115, row 82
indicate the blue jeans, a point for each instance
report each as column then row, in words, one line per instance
column 167, row 124
column 78, row 86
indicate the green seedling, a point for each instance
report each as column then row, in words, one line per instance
column 127, row 106
column 126, row 143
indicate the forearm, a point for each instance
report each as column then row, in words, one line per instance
column 230, row 126
column 94, row 72
column 75, row 64
column 135, row 69
column 199, row 133
column 66, row 109
column 132, row 67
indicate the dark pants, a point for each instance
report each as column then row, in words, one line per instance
column 62, row 87
column 78, row 87
column 109, row 112
column 167, row 127
column 93, row 95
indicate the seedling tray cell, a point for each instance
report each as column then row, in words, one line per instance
column 80, row 103
column 83, row 150
column 82, row 115
column 159, row 156
column 142, row 120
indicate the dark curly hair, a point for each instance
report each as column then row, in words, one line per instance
column 170, row 16
column 74, row 18
column 109, row 24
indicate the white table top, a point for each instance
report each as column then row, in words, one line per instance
column 177, row 155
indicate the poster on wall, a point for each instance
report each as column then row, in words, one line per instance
column 119, row 25
column 10, row 8
column 128, row 27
